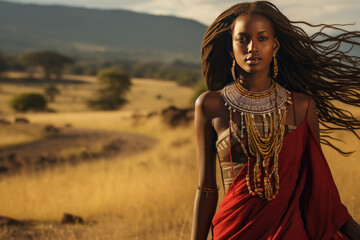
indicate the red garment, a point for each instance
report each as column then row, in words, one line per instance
column 308, row 205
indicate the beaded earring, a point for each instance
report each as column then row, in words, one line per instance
column 276, row 69
column 240, row 78
column 233, row 69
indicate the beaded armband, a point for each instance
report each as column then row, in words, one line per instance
column 208, row 190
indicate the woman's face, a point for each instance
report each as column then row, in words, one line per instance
column 253, row 43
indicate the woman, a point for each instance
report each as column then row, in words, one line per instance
column 270, row 85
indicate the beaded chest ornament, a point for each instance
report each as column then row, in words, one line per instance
column 270, row 105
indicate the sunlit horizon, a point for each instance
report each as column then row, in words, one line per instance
column 205, row 11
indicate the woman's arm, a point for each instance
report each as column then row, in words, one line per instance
column 205, row 202
column 351, row 229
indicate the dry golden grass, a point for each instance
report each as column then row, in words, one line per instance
column 150, row 193
column 144, row 196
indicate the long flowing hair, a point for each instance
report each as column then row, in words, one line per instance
column 317, row 65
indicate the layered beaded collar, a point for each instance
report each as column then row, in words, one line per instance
column 237, row 98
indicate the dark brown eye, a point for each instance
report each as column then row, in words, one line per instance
column 263, row 38
column 242, row 39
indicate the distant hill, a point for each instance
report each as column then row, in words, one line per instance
column 98, row 33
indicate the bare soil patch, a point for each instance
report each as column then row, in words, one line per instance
column 69, row 145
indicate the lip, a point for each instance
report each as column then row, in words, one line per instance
column 253, row 60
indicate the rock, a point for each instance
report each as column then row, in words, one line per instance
column 51, row 129
column 4, row 121
column 150, row 114
column 3, row 169
column 11, row 157
column 136, row 116
column 22, row 120
column 85, row 154
column 47, row 159
column 6, row 221
column 13, row 161
column 174, row 116
column 169, row 109
column 41, row 160
column 71, row 219
column 114, row 146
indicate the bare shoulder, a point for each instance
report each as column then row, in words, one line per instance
column 208, row 103
column 306, row 110
column 302, row 103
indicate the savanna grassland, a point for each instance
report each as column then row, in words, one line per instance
column 146, row 194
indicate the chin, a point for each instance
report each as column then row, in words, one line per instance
column 252, row 70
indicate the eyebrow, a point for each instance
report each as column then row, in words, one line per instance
column 243, row 33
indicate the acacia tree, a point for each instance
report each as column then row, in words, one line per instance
column 49, row 61
column 111, row 93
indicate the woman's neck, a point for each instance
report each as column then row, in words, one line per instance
column 257, row 82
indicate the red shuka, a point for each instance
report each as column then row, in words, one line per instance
column 308, row 205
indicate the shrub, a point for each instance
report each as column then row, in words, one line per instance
column 28, row 101
column 113, row 86
column 50, row 92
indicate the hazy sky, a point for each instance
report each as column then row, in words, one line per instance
column 205, row 11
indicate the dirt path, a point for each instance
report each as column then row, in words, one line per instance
column 70, row 145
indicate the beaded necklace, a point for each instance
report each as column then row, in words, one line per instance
column 270, row 104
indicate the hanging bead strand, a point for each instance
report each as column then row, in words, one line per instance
column 263, row 147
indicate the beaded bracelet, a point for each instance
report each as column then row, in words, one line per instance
column 208, row 190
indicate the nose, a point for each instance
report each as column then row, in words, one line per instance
column 252, row 46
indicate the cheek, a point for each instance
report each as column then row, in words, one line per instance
column 268, row 53
column 238, row 51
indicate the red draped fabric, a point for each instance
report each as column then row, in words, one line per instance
column 308, row 205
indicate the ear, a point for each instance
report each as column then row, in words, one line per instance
column 276, row 45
